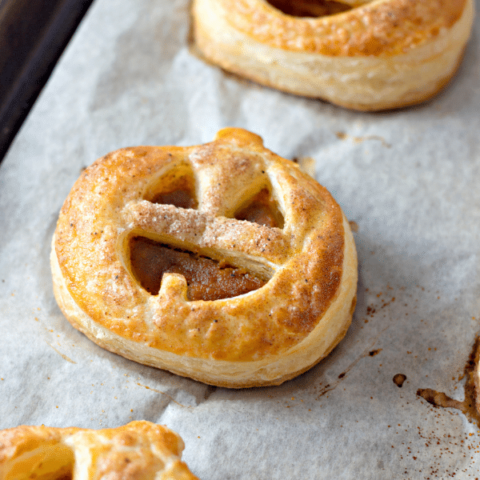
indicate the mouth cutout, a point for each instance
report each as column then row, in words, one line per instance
column 309, row 8
column 207, row 279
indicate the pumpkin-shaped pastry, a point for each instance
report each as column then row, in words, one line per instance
column 139, row 450
column 360, row 54
column 221, row 262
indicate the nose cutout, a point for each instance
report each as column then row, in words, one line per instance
column 207, row 279
column 261, row 209
column 309, row 8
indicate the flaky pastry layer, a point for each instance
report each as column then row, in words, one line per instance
column 139, row 450
column 260, row 338
column 380, row 55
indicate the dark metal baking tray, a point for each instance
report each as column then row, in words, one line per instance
column 33, row 35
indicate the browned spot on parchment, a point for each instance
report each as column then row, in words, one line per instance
column 345, row 136
column 367, row 352
column 353, row 226
column 375, row 308
column 61, row 354
column 399, row 379
column 439, row 399
column 470, row 406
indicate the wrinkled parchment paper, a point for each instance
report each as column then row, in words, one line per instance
column 409, row 179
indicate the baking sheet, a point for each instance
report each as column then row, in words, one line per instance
column 409, row 179
column 32, row 38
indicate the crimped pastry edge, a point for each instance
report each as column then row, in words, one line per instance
column 270, row 371
column 364, row 83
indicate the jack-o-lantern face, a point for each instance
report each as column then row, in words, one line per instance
column 213, row 261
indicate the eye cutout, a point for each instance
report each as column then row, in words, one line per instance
column 310, row 8
column 262, row 209
column 176, row 187
column 207, row 279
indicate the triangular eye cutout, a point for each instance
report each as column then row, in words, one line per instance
column 175, row 188
column 262, row 209
column 310, row 8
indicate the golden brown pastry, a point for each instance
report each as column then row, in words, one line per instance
column 221, row 262
column 364, row 55
column 137, row 451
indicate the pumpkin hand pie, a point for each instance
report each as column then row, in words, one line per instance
column 139, row 450
column 361, row 54
column 221, row 262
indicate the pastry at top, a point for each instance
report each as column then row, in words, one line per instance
column 137, row 451
column 222, row 262
column 365, row 55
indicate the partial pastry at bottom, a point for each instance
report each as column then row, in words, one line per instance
column 139, row 450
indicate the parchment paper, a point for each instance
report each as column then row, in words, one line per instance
column 409, row 179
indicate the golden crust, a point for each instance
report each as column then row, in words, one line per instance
column 136, row 451
column 382, row 27
column 378, row 55
column 260, row 338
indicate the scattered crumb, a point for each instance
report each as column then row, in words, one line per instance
column 345, row 136
column 399, row 379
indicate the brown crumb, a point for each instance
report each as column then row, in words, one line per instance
column 399, row 379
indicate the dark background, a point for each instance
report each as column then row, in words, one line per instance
column 33, row 34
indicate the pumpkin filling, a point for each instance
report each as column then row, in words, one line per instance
column 309, row 8
column 262, row 210
column 207, row 279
